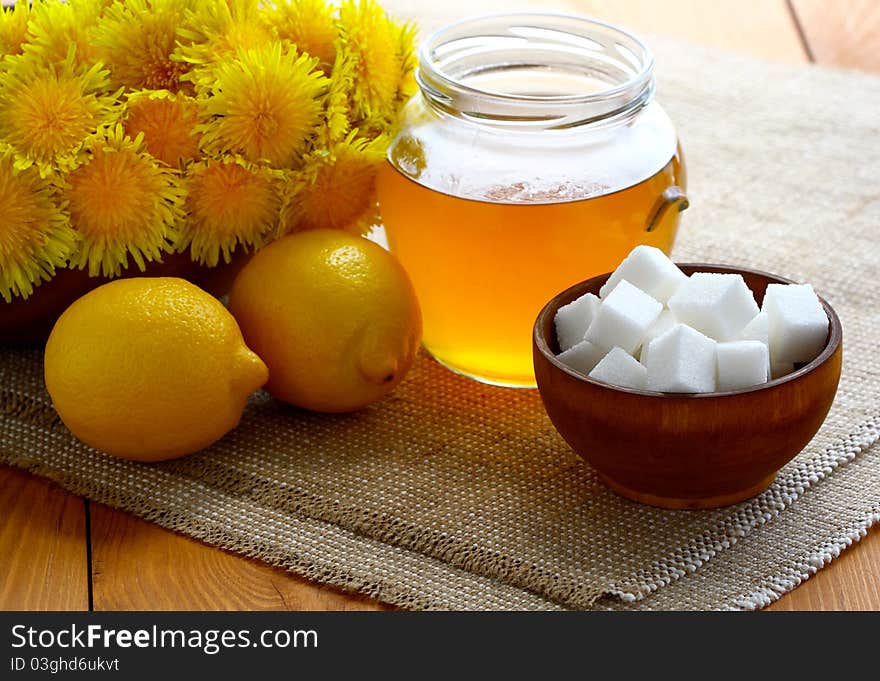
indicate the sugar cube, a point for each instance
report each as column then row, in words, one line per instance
column 582, row 357
column 663, row 323
column 643, row 353
column 758, row 329
column 682, row 360
column 620, row 368
column 623, row 318
column 573, row 320
column 690, row 334
column 742, row 364
column 717, row 305
column 649, row 269
column 798, row 325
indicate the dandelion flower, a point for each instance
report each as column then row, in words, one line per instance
column 136, row 38
column 14, row 28
column 57, row 27
column 167, row 122
column 310, row 25
column 263, row 105
column 381, row 53
column 228, row 204
column 122, row 203
column 47, row 112
column 216, row 31
column 35, row 234
column 337, row 110
column 336, row 189
column 134, row 128
column 407, row 87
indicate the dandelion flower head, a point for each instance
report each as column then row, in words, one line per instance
column 311, row 25
column 228, row 204
column 122, row 203
column 216, row 30
column 56, row 28
column 35, row 234
column 46, row 112
column 336, row 188
column 136, row 39
column 167, row 123
column 264, row 105
column 380, row 51
column 14, row 28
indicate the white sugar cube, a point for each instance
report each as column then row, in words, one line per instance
column 573, row 320
column 643, row 353
column 742, row 364
column 620, row 368
column 649, row 269
column 780, row 369
column 582, row 357
column 623, row 318
column 717, row 305
column 798, row 324
column 682, row 360
column 758, row 329
column 663, row 323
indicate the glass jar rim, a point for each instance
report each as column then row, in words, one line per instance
column 450, row 56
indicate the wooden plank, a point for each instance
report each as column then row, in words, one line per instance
column 43, row 562
column 851, row 582
column 843, row 33
column 762, row 28
column 140, row 566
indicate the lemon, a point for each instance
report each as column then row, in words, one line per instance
column 333, row 315
column 149, row 368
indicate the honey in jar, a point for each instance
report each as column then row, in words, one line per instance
column 534, row 157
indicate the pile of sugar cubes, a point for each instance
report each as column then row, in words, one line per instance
column 654, row 328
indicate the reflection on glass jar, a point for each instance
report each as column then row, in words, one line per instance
column 533, row 157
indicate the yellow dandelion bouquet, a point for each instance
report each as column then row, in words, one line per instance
column 138, row 132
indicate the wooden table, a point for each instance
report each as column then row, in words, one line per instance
column 61, row 552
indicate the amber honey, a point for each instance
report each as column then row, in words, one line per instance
column 484, row 269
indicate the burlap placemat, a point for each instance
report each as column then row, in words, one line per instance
column 452, row 494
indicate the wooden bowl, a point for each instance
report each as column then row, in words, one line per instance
column 686, row 451
column 29, row 322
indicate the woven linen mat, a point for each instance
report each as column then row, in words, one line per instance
column 456, row 495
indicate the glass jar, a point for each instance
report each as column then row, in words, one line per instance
column 533, row 157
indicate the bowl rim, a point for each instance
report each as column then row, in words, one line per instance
column 834, row 340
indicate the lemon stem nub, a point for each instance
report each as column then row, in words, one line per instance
column 377, row 362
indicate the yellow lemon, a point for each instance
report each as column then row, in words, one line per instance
column 149, row 368
column 333, row 315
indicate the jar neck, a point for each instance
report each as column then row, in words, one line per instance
column 536, row 71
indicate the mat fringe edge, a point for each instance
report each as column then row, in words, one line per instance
column 29, row 409
column 703, row 549
column 733, row 528
column 776, row 586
